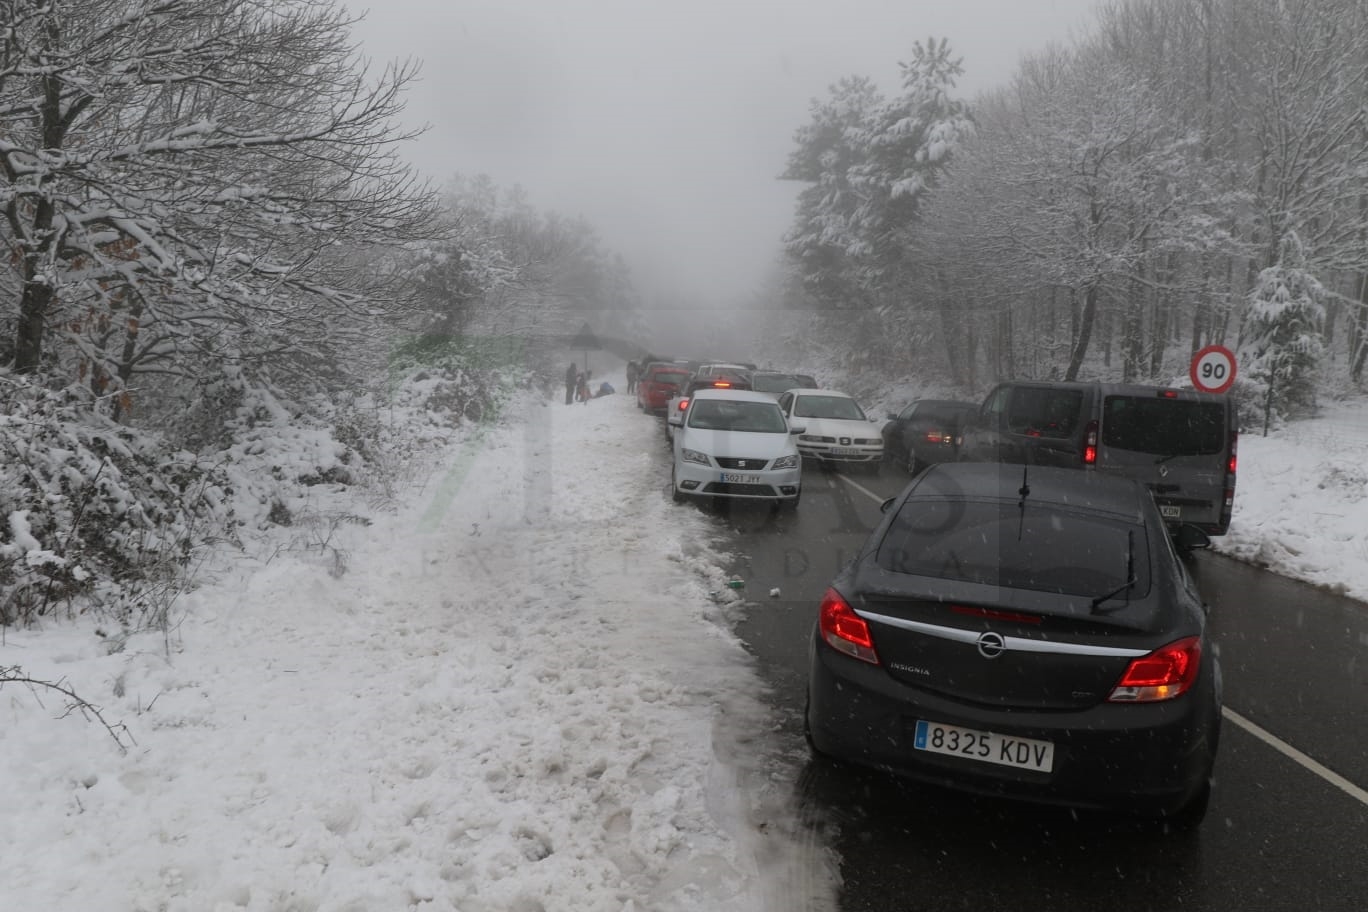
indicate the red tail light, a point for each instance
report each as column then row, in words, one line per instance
column 721, row 384
column 937, row 437
column 1230, row 463
column 683, row 404
column 1168, row 394
column 1166, row 673
column 1090, row 444
column 844, row 630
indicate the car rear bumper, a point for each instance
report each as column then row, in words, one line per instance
column 1151, row 758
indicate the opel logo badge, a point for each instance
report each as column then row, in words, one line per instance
column 991, row 645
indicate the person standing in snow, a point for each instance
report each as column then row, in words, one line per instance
column 571, row 375
column 632, row 372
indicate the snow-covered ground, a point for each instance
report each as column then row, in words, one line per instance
column 517, row 692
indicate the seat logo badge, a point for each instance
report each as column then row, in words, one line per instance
column 991, row 645
column 740, row 463
column 1163, row 471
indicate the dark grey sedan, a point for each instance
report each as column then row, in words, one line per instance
column 1026, row 632
column 924, row 433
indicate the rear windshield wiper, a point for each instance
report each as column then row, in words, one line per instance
column 1113, row 594
column 1130, row 574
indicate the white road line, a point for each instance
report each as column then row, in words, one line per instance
column 1282, row 747
column 861, row 488
column 1287, row 750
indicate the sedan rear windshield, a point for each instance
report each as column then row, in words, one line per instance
column 1164, row 427
column 723, row 415
column 667, row 376
column 1036, row 547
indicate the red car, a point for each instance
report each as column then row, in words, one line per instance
column 661, row 383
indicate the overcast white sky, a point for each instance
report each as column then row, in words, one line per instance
column 665, row 122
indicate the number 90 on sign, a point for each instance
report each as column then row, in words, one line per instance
column 1213, row 369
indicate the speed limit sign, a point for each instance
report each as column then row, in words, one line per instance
column 1213, row 369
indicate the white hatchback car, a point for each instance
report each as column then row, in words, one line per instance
column 735, row 444
column 836, row 430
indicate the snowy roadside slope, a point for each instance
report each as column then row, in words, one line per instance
column 1301, row 500
column 518, row 696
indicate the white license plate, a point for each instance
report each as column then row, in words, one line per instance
column 1170, row 512
column 987, row 747
column 733, row 478
column 843, row 451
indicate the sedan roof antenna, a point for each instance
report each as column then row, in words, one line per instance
column 1024, row 490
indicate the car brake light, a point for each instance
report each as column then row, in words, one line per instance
column 996, row 614
column 1090, row 444
column 844, row 630
column 1168, row 394
column 1230, row 463
column 683, row 404
column 721, row 384
column 1166, row 673
column 937, row 437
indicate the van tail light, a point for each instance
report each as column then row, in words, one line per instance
column 1166, row 673
column 1090, row 444
column 844, row 630
column 683, row 404
column 1230, row 463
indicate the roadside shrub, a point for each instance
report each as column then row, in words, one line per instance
column 94, row 515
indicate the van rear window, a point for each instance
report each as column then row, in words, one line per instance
column 1164, row 427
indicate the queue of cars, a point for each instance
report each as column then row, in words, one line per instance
column 1020, row 623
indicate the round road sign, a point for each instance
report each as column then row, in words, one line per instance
column 1213, row 369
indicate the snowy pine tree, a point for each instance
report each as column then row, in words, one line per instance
column 1283, row 345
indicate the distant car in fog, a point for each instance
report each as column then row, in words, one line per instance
column 925, row 432
column 659, row 384
column 836, row 429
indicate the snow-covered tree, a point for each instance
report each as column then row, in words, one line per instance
column 189, row 182
column 1283, row 346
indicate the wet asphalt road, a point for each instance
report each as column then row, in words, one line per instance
column 1288, row 823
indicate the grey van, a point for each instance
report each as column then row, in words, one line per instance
column 1178, row 442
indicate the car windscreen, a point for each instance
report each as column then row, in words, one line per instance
column 778, row 383
column 723, row 415
column 1164, row 427
column 1031, row 546
column 828, row 407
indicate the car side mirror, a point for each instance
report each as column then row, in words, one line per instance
column 1190, row 538
column 797, row 428
column 887, row 505
column 676, row 417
